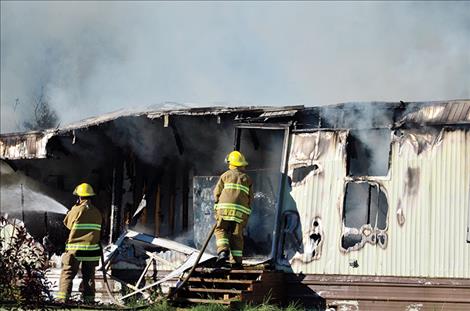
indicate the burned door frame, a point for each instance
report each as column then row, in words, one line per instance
column 287, row 128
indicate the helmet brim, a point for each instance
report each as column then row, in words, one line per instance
column 83, row 195
column 238, row 164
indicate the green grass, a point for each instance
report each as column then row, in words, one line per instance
column 214, row 307
column 164, row 306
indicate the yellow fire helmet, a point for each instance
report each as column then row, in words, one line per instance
column 236, row 158
column 84, row 190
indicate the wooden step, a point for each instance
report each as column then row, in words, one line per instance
column 234, row 274
column 232, row 287
column 214, row 280
column 213, row 270
column 216, row 290
column 211, row 301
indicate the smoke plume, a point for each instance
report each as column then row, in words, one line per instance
column 89, row 58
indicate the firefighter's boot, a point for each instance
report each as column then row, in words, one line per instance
column 222, row 260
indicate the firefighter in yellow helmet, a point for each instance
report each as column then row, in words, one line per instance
column 82, row 248
column 233, row 195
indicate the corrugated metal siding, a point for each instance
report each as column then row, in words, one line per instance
column 441, row 113
column 449, row 206
column 319, row 194
column 432, row 240
column 24, row 146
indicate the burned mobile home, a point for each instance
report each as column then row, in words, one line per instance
column 364, row 206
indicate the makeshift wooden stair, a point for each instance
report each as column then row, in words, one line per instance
column 232, row 287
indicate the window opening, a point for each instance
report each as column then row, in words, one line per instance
column 368, row 152
column 300, row 173
column 364, row 216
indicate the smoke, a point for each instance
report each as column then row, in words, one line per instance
column 93, row 57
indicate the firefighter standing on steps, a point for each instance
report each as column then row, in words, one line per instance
column 82, row 248
column 233, row 195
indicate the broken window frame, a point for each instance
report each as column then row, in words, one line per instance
column 368, row 170
column 287, row 128
column 373, row 235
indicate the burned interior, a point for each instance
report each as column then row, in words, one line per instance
column 156, row 175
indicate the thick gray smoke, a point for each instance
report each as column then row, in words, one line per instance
column 89, row 58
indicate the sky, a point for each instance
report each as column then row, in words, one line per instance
column 89, row 58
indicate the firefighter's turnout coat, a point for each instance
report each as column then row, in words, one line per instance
column 82, row 247
column 233, row 195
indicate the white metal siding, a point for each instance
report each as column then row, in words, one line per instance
column 432, row 240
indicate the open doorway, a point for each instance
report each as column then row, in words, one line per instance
column 263, row 148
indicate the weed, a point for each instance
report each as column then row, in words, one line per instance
column 23, row 266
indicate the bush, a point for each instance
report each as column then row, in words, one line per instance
column 23, row 266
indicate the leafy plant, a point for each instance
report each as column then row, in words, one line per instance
column 23, row 266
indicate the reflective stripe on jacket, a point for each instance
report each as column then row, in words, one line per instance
column 233, row 195
column 81, row 247
column 84, row 222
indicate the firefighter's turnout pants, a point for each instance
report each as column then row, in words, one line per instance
column 229, row 237
column 70, row 267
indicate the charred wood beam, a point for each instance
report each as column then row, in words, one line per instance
column 185, row 211
column 116, row 196
column 178, row 140
column 138, row 186
column 172, row 199
column 254, row 138
column 157, row 214
column 237, row 138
